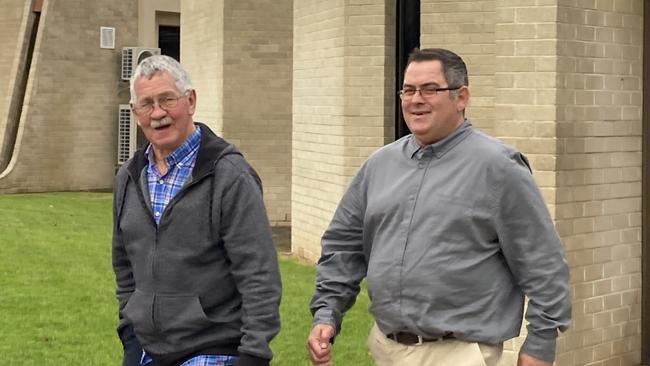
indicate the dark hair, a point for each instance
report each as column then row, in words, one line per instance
column 453, row 66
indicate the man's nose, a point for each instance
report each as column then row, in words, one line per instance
column 418, row 95
column 158, row 112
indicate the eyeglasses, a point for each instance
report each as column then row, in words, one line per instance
column 165, row 103
column 426, row 91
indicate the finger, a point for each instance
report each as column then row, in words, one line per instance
column 320, row 336
column 319, row 358
column 326, row 334
column 318, row 344
column 316, row 349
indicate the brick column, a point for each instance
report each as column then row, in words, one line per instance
column 239, row 54
column 569, row 96
column 598, row 198
column 342, row 105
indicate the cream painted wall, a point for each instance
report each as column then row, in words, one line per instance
column 147, row 19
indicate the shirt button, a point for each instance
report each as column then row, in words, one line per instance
column 161, row 182
column 180, row 164
column 157, row 214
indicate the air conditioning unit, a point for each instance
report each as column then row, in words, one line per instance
column 127, row 134
column 132, row 56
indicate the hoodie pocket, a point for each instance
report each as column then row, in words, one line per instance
column 138, row 312
column 179, row 317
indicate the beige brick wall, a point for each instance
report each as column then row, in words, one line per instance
column 68, row 131
column 467, row 28
column 341, row 105
column 598, row 200
column 244, row 91
column 526, row 86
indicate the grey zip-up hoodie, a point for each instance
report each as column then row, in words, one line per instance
column 206, row 279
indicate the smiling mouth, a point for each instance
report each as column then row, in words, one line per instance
column 420, row 113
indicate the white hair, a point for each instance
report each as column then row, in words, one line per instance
column 161, row 63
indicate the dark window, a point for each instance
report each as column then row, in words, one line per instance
column 408, row 38
column 169, row 40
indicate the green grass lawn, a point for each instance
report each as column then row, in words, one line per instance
column 56, row 289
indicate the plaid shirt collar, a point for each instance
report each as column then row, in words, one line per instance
column 181, row 154
column 180, row 163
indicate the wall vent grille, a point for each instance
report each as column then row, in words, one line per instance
column 126, row 135
column 107, row 37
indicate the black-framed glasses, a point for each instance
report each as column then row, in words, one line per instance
column 166, row 103
column 426, row 91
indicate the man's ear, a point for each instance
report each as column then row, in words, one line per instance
column 191, row 99
column 462, row 98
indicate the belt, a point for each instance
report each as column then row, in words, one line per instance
column 414, row 339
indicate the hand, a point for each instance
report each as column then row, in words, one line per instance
column 318, row 344
column 526, row 360
column 132, row 348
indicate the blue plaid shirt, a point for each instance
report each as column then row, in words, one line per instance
column 203, row 360
column 162, row 188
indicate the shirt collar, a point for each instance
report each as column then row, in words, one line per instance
column 439, row 148
column 182, row 152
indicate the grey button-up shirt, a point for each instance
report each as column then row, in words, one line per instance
column 450, row 236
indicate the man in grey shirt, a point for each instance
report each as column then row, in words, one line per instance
column 451, row 232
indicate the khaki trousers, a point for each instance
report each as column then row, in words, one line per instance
column 448, row 352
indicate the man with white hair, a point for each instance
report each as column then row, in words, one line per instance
column 195, row 265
